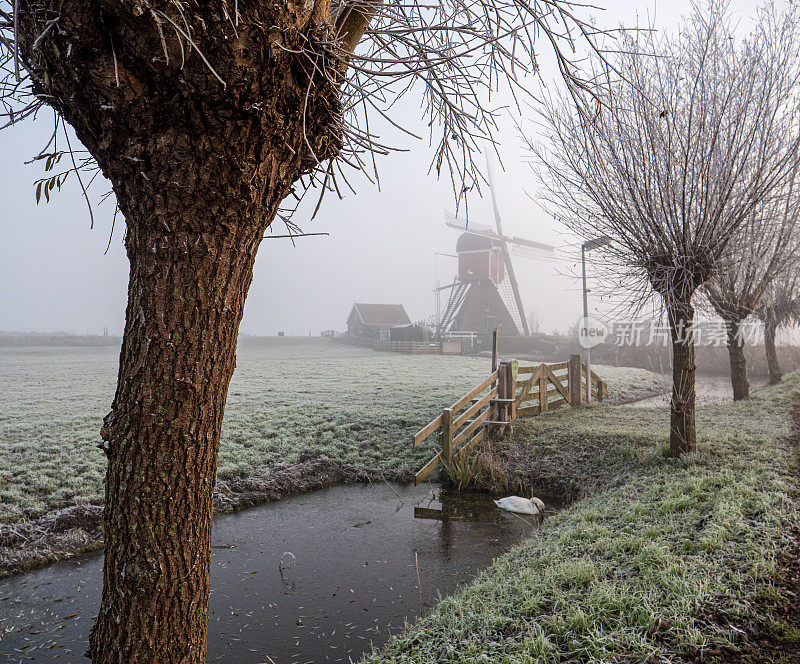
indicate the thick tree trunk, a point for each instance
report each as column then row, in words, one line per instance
column 200, row 156
column 202, row 122
column 773, row 365
column 682, row 434
column 741, row 388
column 185, row 301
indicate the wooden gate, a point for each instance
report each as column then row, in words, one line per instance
column 510, row 392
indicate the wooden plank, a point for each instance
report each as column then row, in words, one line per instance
column 474, row 408
column 467, row 430
column 475, row 391
column 529, row 411
column 526, row 388
column 559, row 385
column 559, row 366
column 543, row 390
column 427, row 430
column 534, row 395
column 447, row 435
column 427, row 469
column 508, row 391
column 574, row 380
column 477, row 438
column 526, row 411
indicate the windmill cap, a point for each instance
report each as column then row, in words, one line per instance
column 469, row 242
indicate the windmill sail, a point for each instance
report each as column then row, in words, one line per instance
column 522, row 247
column 486, row 290
column 536, row 253
column 468, row 227
column 509, row 266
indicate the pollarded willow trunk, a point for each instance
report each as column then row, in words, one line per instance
column 773, row 364
column 682, row 433
column 186, row 298
column 199, row 160
column 738, row 362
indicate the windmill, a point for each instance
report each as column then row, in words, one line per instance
column 485, row 294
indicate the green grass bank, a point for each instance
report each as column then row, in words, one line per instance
column 657, row 560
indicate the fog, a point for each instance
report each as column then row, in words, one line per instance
column 381, row 247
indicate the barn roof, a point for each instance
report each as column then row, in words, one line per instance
column 381, row 314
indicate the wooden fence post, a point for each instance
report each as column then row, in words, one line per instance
column 543, row 393
column 447, row 435
column 574, row 380
column 507, row 390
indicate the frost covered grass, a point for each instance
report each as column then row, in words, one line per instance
column 665, row 560
column 288, row 397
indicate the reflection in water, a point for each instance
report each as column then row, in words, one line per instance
column 317, row 578
column 454, row 506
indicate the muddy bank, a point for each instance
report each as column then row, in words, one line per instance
column 78, row 528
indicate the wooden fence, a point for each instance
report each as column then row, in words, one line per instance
column 511, row 392
column 413, row 347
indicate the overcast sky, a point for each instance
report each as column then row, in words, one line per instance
column 54, row 275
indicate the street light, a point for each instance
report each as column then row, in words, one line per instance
column 589, row 245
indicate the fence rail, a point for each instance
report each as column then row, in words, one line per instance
column 413, row 347
column 511, row 392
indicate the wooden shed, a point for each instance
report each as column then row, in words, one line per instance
column 375, row 321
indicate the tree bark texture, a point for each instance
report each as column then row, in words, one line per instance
column 773, row 364
column 738, row 362
column 199, row 170
column 682, row 433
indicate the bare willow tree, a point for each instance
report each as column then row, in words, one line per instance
column 691, row 134
column 780, row 306
column 765, row 248
column 210, row 120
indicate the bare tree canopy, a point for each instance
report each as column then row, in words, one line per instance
column 691, row 135
column 779, row 306
column 371, row 53
column 764, row 249
column 210, row 119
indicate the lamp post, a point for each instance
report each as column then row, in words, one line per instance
column 589, row 245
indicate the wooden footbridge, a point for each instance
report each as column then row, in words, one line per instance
column 510, row 392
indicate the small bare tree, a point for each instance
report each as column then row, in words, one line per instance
column 691, row 135
column 210, row 120
column 780, row 306
column 764, row 249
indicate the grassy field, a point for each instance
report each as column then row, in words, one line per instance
column 288, row 397
column 663, row 561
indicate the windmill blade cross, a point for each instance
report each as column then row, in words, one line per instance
column 462, row 225
column 520, row 246
column 531, row 252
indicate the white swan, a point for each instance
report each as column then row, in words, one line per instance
column 530, row 505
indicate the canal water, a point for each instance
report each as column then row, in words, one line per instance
column 321, row 577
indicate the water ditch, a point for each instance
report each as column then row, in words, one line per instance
column 320, row 577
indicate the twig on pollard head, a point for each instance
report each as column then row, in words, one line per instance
column 186, row 36
column 78, row 175
column 292, row 235
column 456, row 52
